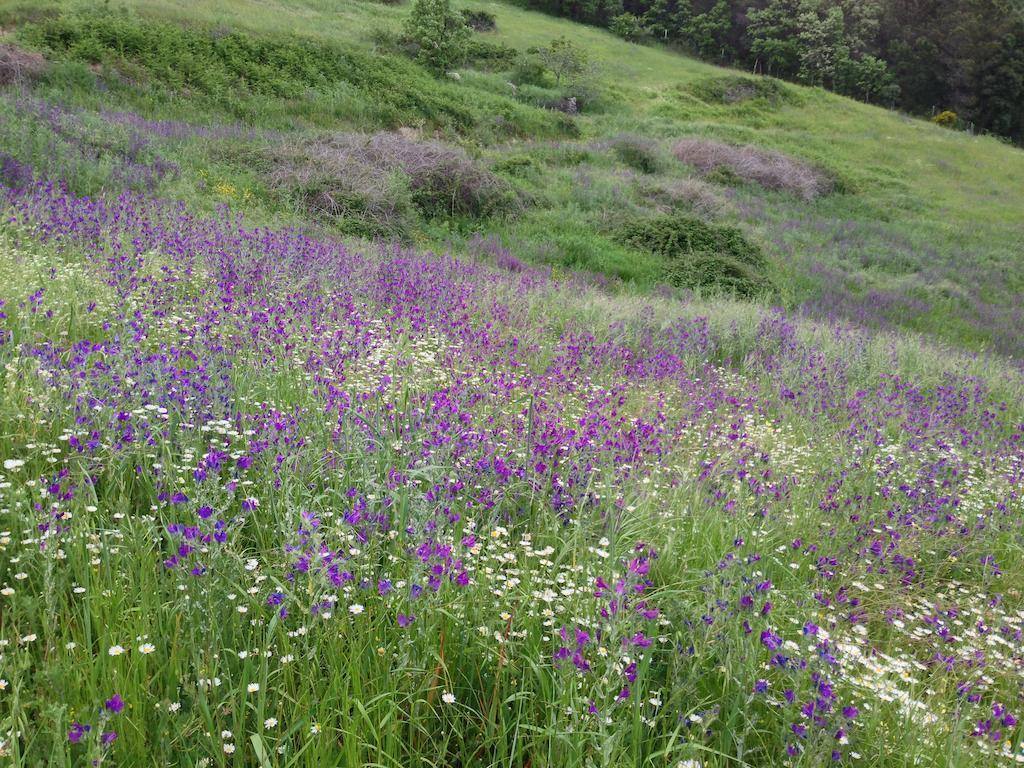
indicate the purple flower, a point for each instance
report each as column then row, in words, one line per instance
column 77, row 732
column 770, row 640
column 114, row 704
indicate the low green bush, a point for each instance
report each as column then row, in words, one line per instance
column 517, row 165
column 700, row 255
column 485, row 55
column 639, row 153
column 734, row 89
column 479, row 21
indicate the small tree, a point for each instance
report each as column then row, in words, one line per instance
column 566, row 61
column 707, row 33
column 440, row 34
column 869, row 78
column 628, row 27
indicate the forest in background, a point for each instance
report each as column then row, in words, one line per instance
column 959, row 61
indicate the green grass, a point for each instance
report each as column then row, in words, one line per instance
column 917, row 253
column 925, row 216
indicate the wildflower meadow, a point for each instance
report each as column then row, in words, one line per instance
column 269, row 501
column 574, row 404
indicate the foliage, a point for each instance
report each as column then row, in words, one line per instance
column 518, row 165
column 242, row 74
column 947, row 119
column 967, row 54
column 440, row 34
column 502, row 498
column 568, row 63
column 479, row 20
column 372, row 185
column 869, row 79
column 485, row 55
column 734, row 89
column 641, row 154
column 707, row 33
column 628, row 27
column 18, row 66
column 713, row 258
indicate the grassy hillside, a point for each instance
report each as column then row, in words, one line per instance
column 354, row 416
column 921, row 231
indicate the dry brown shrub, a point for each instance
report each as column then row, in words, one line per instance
column 772, row 170
column 18, row 66
column 381, row 177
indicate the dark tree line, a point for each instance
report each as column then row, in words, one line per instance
column 923, row 56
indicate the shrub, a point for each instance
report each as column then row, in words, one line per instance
column 771, row 170
column 571, row 154
column 441, row 35
column 518, row 165
column 637, row 152
column 14, row 173
column 733, row 89
column 18, row 66
column 701, row 255
column 480, row 21
column 567, row 62
column 490, row 56
column 947, row 119
column 530, row 70
column 628, row 27
column 380, row 181
column 669, row 195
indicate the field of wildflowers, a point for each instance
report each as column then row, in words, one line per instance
column 266, row 500
column 497, row 493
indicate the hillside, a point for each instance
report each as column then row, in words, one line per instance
column 581, row 405
column 921, row 231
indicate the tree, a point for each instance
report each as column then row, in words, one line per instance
column 440, row 34
column 707, row 32
column 664, row 19
column 822, row 45
column 774, row 37
column 566, row 61
column 628, row 27
column 868, row 78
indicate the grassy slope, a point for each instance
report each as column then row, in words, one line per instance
column 344, row 702
column 953, row 179
column 926, row 225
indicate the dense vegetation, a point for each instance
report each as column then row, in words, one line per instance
column 925, row 57
column 428, row 385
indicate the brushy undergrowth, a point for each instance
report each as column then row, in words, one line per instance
column 639, row 153
column 375, row 184
column 772, row 170
column 711, row 257
column 732, row 89
column 18, row 66
column 239, row 73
